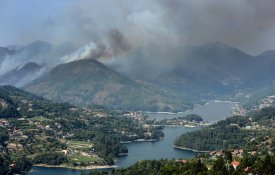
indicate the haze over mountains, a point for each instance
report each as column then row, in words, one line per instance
column 213, row 68
column 21, row 64
column 20, row 75
column 166, row 50
column 218, row 69
column 81, row 78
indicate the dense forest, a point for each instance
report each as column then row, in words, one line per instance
column 262, row 165
column 7, row 158
column 234, row 132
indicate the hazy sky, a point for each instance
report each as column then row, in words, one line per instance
column 246, row 24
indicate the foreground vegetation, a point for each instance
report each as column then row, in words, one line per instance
column 36, row 131
column 263, row 165
column 47, row 133
column 252, row 132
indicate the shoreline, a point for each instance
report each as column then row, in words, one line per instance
column 186, row 110
column 190, row 149
column 145, row 140
column 169, row 113
column 92, row 167
column 225, row 101
column 140, row 141
column 181, row 126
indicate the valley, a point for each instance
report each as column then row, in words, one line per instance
column 135, row 148
column 160, row 87
column 54, row 123
column 196, row 75
column 86, row 116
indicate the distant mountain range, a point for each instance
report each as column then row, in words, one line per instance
column 21, row 64
column 207, row 71
column 215, row 69
column 20, row 75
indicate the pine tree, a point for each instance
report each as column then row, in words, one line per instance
column 219, row 167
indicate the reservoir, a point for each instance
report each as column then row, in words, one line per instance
column 156, row 150
column 137, row 151
column 212, row 111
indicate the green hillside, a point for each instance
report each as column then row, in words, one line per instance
column 88, row 82
column 252, row 132
column 60, row 134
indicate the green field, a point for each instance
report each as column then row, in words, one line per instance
column 79, row 144
column 81, row 159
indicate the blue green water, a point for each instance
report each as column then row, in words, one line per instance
column 137, row 151
column 212, row 111
column 163, row 149
column 156, row 150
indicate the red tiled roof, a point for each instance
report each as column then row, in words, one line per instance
column 235, row 163
column 182, row 161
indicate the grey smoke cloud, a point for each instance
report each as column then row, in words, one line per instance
column 246, row 24
column 118, row 42
column 146, row 28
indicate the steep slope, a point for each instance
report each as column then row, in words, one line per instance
column 88, row 82
column 20, row 75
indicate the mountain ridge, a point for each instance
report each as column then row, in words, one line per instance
column 87, row 82
column 19, row 75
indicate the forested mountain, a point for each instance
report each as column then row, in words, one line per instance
column 88, row 81
column 212, row 70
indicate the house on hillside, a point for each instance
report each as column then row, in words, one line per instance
column 235, row 164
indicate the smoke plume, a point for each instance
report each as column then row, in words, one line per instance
column 122, row 33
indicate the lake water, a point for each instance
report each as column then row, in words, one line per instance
column 137, row 151
column 156, row 150
column 212, row 111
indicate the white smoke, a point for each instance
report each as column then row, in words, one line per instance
column 8, row 64
column 82, row 53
